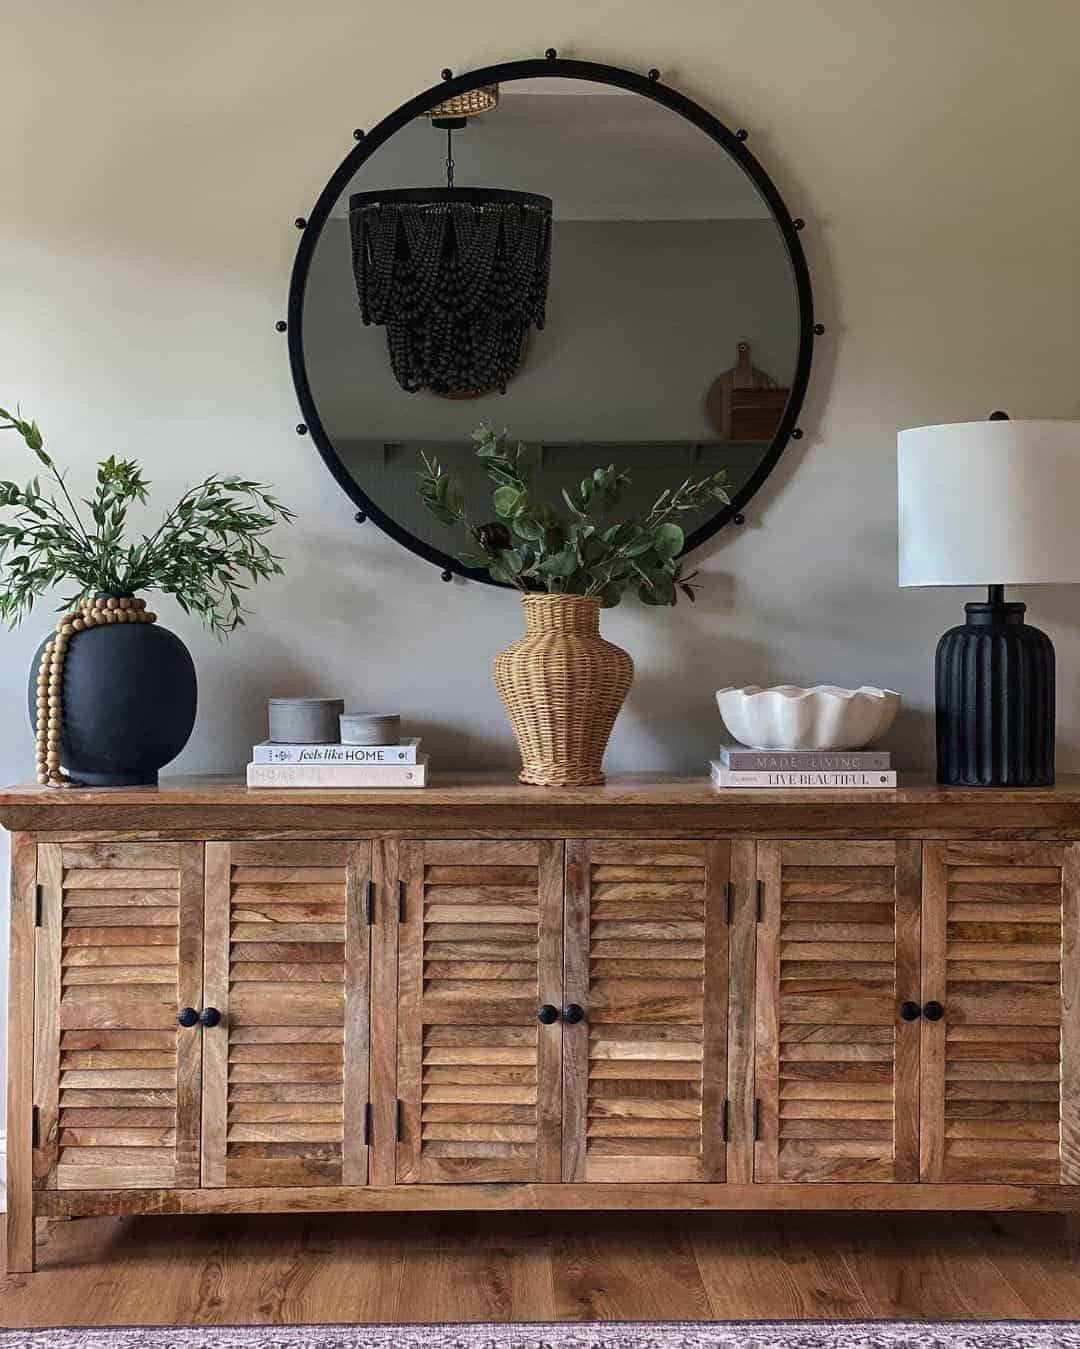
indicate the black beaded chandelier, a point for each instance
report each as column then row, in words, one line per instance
column 456, row 275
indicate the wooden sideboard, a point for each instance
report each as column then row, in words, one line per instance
column 483, row 995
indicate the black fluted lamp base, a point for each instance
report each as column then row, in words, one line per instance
column 994, row 681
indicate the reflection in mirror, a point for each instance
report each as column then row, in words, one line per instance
column 672, row 316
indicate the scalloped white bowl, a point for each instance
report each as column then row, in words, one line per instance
column 824, row 717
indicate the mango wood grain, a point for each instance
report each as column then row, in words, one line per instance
column 549, row 1057
column 20, row 1087
column 357, row 1018
column 47, row 993
column 189, row 993
column 215, row 1061
column 742, row 949
column 485, row 805
column 575, row 1049
column 1070, row 1016
column 855, row 1196
column 767, row 1013
column 906, row 1034
column 383, row 1079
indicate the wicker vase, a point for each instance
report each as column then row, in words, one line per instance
column 562, row 686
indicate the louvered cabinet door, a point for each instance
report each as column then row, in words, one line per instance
column 646, row 959
column 118, row 953
column 999, row 1064
column 285, row 1079
column 837, row 1071
column 479, row 952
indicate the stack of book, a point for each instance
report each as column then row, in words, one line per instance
column 863, row 769
column 278, row 765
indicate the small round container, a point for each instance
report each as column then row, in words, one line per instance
column 305, row 721
column 370, row 728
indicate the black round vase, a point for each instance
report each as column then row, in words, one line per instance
column 129, row 698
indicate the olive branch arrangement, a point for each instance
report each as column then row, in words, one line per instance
column 205, row 553
column 536, row 548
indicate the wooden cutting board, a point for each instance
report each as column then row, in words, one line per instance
column 742, row 375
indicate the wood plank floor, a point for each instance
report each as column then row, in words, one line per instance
column 505, row 1267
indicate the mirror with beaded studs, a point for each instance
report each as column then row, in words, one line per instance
column 577, row 253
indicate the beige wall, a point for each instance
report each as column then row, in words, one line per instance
column 156, row 154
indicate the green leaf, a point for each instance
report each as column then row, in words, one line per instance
column 592, row 550
column 659, row 589
column 668, row 541
column 511, row 561
column 562, row 564
column 525, row 527
column 454, row 498
column 641, row 545
column 505, row 500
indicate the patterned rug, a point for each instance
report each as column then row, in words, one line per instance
column 593, row 1335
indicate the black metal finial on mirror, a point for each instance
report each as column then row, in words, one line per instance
column 301, row 429
column 358, row 134
column 300, row 222
column 360, row 517
column 281, row 326
column 998, row 417
column 446, row 574
column 796, row 433
column 369, row 430
column 819, row 329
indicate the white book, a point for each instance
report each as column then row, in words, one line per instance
column 270, row 751
column 338, row 774
column 725, row 777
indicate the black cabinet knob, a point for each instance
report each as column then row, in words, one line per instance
column 572, row 1013
column 210, row 1016
column 933, row 1011
column 547, row 1014
column 187, row 1016
column 910, row 1011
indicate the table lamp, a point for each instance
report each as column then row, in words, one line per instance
column 992, row 503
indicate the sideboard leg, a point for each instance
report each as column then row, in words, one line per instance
column 20, row 1158
column 1071, row 1224
column 20, row 1238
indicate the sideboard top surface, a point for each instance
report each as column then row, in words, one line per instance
column 483, row 803
column 226, row 791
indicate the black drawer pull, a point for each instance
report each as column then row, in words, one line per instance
column 210, row 1016
column 572, row 1013
column 933, row 1011
column 548, row 1014
column 910, row 1011
column 187, row 1016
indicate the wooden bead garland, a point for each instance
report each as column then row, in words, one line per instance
column 50, row 681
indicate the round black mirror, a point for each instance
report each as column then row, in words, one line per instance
column 572, row 251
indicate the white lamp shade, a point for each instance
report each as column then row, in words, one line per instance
column 989, row 503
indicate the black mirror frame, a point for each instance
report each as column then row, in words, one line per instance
column 734, row 142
